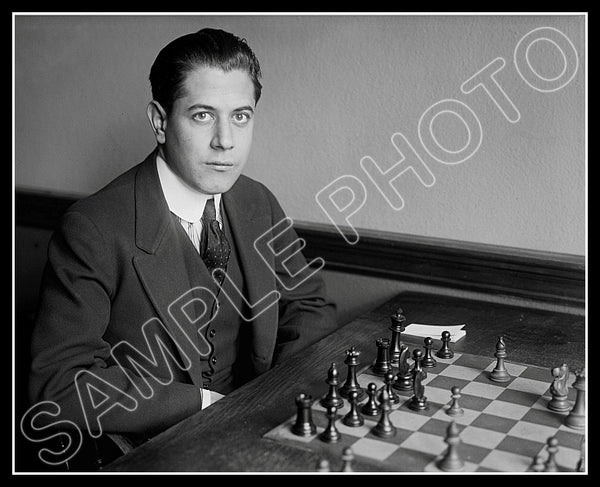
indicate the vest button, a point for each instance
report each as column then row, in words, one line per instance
column 213, row 360
column 212, row 333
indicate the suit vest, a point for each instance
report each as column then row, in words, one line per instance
column 226, row 366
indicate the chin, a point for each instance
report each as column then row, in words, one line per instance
column 215, row 186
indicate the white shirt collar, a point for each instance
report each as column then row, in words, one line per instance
column 183, row 200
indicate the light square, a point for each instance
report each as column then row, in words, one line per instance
column 513, row 369
column 426, row 443
column 532, row 431
column 440, row 396
column 286, row 432
column 504, row 461
column 529, row 385
column 481, row 389
column 506, row 410
column 378, row 450
column 481, row 437
column 467, row 418
column 432, row 467
column 359, row 431
column 460, row 372
column 407, row 421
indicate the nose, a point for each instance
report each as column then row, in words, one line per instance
column 223, row 136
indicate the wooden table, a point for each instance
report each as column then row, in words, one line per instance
column 228, row 436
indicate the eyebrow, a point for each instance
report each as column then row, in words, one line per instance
column 198, row 106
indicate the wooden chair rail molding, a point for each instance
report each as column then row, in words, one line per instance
column 543, row 276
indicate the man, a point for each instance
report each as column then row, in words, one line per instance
column 157, row 299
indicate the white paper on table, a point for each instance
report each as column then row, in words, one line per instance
column 435, row 331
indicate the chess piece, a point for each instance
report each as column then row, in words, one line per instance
column 500, row 374
column 384, row 427
column 371, row 408
column 353, row 417
column 418, row 359
column 304, row 425
column 382, row 363
column 397, row 327
column 403, row 381
column 445, row 351
column 552, row 448
column 559, row 389
column 451, row 461
column 389, row 381
column 332, row 398
column 428, row 360
column 538, row 464
column 347, row 458
column 576, row 417
column 351, row 383
column 323, row 465
column 331, row 433
column 418, row 401
column 455, row 409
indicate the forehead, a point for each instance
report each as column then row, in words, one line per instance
column 218, row 88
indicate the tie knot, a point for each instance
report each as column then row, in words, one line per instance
column 210, row 212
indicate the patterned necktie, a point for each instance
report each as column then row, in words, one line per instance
column 214, row 246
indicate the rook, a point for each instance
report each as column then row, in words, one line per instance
column 382, row 364
column 304, row 425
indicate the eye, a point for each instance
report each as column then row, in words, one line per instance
column 202, row 116
column 241, row 118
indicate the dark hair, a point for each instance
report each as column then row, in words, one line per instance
column 213, row 48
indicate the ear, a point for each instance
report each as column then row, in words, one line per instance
column 158, row 120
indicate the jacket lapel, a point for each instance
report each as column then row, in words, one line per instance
column 247, row 224
column 161, row 269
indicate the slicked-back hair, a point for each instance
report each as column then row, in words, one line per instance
column 212, row 48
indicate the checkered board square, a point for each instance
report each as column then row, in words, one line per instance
column 503, row 428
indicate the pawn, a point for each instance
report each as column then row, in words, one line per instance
column 353, row 418
column 331, row 433
column 552, row 448
column 332, row 398
column 389, row 382
column 500, row 374
column 323, row 465
column 538, row 464
column 455, row 409
column 347, row 458
column 445, row 351
column 451, row 461
column 371, row 408
column 384, row 427
column 428, row 360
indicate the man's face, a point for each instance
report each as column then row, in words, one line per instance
column 208, row 133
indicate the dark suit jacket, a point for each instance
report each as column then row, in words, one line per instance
column 116, row 262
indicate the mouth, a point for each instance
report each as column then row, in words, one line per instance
column 220, row 165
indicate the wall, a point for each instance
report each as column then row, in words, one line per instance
column 335, row 90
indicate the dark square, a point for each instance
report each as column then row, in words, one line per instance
column 473, row 361
column 475, row 403
column 328, row 448
column 433, row 407
column 521, row 446
column 494, row 423
column 444, row 382
column 537, row 373
column 438, row 368
column 485, row 469
column 518, row 397
column 472, row 453
column 406, row 460
column 400, row 436
column 569, row 439
column 438, row 427
column 485, row 378
column 544, row 416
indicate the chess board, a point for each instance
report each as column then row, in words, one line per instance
column 504, row 426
